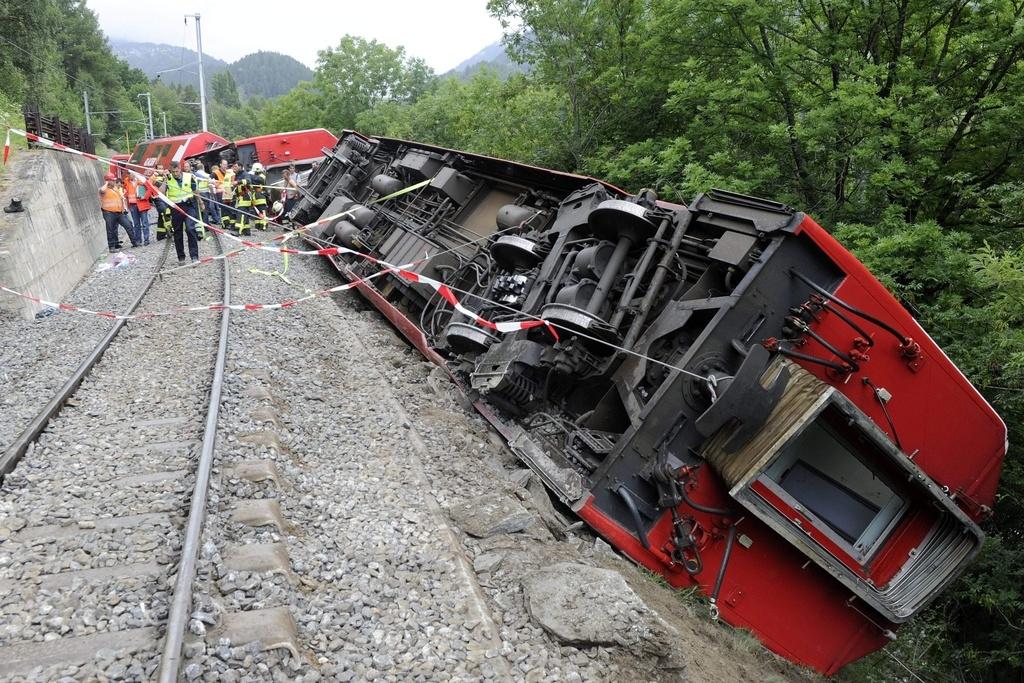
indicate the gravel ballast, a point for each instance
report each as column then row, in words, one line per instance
column 374, row 455
column 37, row 356
column 91, row 518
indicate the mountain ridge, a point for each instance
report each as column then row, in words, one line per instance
column 262, row 73
column 493, row 57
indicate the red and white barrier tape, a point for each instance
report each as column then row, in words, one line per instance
column 402, row 271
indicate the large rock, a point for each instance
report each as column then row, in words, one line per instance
column 489, row 515
column 586, row 606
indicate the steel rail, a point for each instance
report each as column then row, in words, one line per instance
column 16, row 451
column 181, row 601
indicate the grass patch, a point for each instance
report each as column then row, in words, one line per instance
column 11, row 117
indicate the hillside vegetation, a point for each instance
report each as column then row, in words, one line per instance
column 53, row 50
column 268, row 74
column 176, row 65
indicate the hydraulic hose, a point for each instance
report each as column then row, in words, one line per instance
column 637, row 522
column 852, row 309
column 730, row 540
column 724, row 512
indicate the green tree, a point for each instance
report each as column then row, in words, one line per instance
column 513, row 118
column 595, row 54
column 845, row 107
column 300, row 109
column 224, row 89
column 52, row 51
column 358, row 74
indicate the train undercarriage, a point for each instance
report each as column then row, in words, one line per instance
column 719, row 389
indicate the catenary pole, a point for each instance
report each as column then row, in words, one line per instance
column 202, row 87
column 150, row 132
column 88, row 123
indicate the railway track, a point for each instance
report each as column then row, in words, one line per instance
column 105, row 495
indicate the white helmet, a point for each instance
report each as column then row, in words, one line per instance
column 257, row 167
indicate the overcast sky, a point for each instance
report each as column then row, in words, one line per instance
column 443, row 32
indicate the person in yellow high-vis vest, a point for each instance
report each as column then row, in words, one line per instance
column 259, row 197
column 243, row 204
column 219, row 172
column 180, row 188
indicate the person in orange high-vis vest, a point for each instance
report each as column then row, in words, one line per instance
column 145, row 194
column 115, row 212
column 129, row 185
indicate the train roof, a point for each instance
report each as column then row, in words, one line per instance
column 163, row 151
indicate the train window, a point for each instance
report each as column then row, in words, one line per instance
column 825, row 477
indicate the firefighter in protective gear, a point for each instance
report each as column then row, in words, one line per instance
column 259, row 199
column 227, row 184
column 163, row 221
column 244, row 203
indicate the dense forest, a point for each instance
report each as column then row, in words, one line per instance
column 53, row 50
column 895, row 123
column 268, row 74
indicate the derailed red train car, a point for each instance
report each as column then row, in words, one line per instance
column 276, row 151
column 732, row 399
column 176, row 148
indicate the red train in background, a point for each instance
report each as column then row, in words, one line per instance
column 301, row 149
column 276, row 151
column 163, row 151
column 731, row 399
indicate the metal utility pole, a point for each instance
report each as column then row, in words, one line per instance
column 199, row 49
column 149, row 106
column 88, row 124
column 164, row 114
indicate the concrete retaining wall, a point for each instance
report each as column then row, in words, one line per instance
column 47, row 249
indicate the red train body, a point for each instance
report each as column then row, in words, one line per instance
column 276, row 151
column 163, row 151
column 733, row 400
column 301, row 148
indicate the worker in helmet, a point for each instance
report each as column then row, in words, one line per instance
column 115, row 212
column 211, row 210
column 227, row 186
column 244, row 203
column 259, row 200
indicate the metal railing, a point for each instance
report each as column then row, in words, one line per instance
column 64, row 132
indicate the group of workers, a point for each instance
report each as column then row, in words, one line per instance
column 225, row 196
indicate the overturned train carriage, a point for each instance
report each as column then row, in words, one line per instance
column 720, row 390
